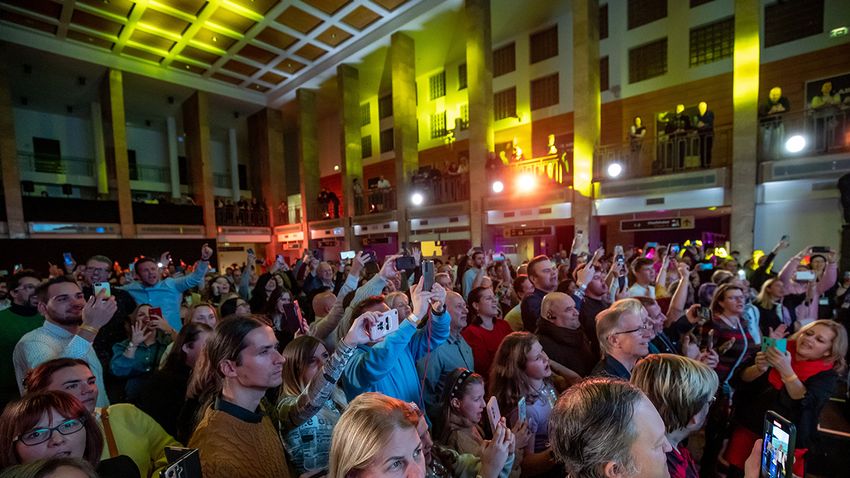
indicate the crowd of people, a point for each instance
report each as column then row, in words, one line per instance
column 589, row 363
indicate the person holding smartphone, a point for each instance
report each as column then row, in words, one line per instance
column 796, row 384
column 136, row 358
column 825, row 269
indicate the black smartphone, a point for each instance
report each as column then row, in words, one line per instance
column 182, row 463
column 427, row 275
column 777, row 451
column 820, row 250
column 406, row 263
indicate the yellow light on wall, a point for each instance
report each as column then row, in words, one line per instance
column 583, row 165
column 746, row 70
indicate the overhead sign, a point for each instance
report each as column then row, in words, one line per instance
column 657, row 224
column 328, row 243
column 528, row 231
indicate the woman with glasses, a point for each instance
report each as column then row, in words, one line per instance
column 486, row 328
column 624, row 337
column 55, row 424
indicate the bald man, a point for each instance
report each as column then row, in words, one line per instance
column 453, row 353
column 561, row 336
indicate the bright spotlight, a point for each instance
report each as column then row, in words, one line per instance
column 526, row 182
column 614, row 170
column 795, row 143
column 417, row 199
column 498, row 186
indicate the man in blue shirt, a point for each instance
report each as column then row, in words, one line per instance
column 166, row 293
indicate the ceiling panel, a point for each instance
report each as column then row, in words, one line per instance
column 231, row 20
column 189, row 7
column 27, row 21
column 89, row 40
column 257, row 54
column 299, row 20
column 226, row 78
column 214, row 39
column 272, row 77
column 187, row 67
column 42, row 7
column 310, row 52
column 328, row 6
column 151, row 40
column 276, row 38
column 390, row 4
column 145, row 55
column 94, row 22
column 290, row 66
column 199, row 55
column 361, row 17
column 120, row 8
column 239, row 67
column 164, row 21
column 333, row 36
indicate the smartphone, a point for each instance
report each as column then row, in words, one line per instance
column 250, row 251
column 705, row 313
column 674, row 249
column 386, row 324
column 102, row 286
column 804, row 276
column 155, row 311
column 493, row 413
column 777, row 451
column 132, row 267
column 522, row 409
column 427, row 275
column 407, row 263
column 347, row 255
column 705, row 266
column 651, row 245
column 182, row 463
column 498, row 257
column 290, row 322
column 69, row 260
column 820, row 250
column 372, row 255
column 18, row 267
column 621, row 260
column 779, row 344
column 707, row 342
column 742, row 275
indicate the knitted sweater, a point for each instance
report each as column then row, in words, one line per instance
column 244, row 446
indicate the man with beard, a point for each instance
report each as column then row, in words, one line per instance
column 69, row 329
column 21, row 317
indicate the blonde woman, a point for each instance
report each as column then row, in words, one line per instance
column 772, row 313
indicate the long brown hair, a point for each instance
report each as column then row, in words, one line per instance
column 297, row 356
column 508, row 381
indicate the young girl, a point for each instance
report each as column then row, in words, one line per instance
column 521, row 370
column 463, row 407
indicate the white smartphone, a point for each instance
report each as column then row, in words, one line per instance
column 102, row 286
column 493, row 413
column 804, row 276
column 522, row 410
column 386, row 324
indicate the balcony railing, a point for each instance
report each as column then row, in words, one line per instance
column 553, row 166
column 221, row 180
column 444, row 189
column 66, row 165
column 152, row 174
column 824, row 131
column 245, row 215
column 374, row 201
column 669, row 153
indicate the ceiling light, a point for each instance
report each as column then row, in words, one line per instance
column 498, row 186
column 795, row 143
column 614, row 169
column 214, row 38
column 417, row 199
column 526, row 182
column 336, row 167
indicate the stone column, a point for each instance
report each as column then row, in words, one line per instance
column 99, row 150
column 115, row 142
column 405, row 140
column 587, row 101
column 265, row 146
column 9, row 160
column 232, row 155
column 173, row 161
column 309, row 165
column 348, row 82
column 745, row 91
column 479, row 74
column 196, row 124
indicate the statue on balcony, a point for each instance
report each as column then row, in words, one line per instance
column 550, row 147
column 705, row 130
column 677, row 128
column 516, row 154
column 772, row 127
column 636, row 133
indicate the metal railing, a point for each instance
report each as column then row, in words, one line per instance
column 67, row 165
column 374, row 201
column 553, row 166
column 825, row 131
column 248, row 215
column 153, row 174
column 221, row 180
column 444, row 189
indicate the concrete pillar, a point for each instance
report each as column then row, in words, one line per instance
column 232, row 155
column 405, row 140
column 348, row 82
column 265, row 146
column 115, row 143
column 196, row 124
column 173, row 162
column 309, row 165
column 479, row 73
column 587, row 101
column 9, row 160
column 745, row 93
column 99, row 150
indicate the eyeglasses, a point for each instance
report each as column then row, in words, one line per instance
column 641, row 328
column 37, row 436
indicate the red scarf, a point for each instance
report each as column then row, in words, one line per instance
column 804, row 369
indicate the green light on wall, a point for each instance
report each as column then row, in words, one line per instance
column 838, row 32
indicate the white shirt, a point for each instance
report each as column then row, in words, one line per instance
column 638, row 290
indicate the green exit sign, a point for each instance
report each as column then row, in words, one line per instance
column 838, row 32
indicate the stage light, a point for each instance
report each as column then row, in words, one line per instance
column 614, row 170
column 526, row 182
column 417, row 199
column 795, row 143
column 498, row 186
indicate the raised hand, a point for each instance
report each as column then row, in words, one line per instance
column 99, row 310
column 358, row 334
column 206, row 252
column 358, row 263
column 388, row 270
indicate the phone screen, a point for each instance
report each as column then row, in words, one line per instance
column 522, row 410
column 67, row 258
column 804, row 276
column 102, row 286
column 346, row 255
column 384, row 325
column 777, row 452
column 779, row 344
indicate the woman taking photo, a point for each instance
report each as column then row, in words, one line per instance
column 136, row 357
column 266, row 284
column 281, row 314
column 485, row 330
column 772, row 313
column 796, row 384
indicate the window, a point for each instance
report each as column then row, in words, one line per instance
column 603, row 74
column 544, row 92
column 504, row 104
column 791, row 20
column 387, row 140
column 464, row 117
column 385, row 106
column 603, row 22
column 696, row 3
column 648, row 61
column 365, row 114
column 437, row 84
column 133, row 165
column 642, row 12
column 504, row 60
column 48, row 155
column 366, row 146
column 438, row 125
column 712, row 42
column 183, row 170
column 242, row 172
column 461, row 76
column 544, row 44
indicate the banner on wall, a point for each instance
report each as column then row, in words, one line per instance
column 657, row 224
column 840, row 87
column 528, row 231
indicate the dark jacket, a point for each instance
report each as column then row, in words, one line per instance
column 530, row 309
column 611, row 368
column 569, row 348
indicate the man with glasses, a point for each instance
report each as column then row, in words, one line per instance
column 21, row 317
column 624, row 337
column 97, row 271
column 70, row 326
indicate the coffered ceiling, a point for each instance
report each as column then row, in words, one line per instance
column 257, row 50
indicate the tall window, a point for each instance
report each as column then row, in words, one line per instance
column 385, row 106
column 366, row 146
column 648, row 61
column 464, row 116
column 504, row 60
column 504, row 103
column 437, row 85
column 544, row 92
column 387, row 142
column 791, row 20
column 603, row 74
column 461, row 76
column 365, row 114
column 603, row 21
column 642, row 12
column 712, row 42
column 438, row 125
column 544, row 44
